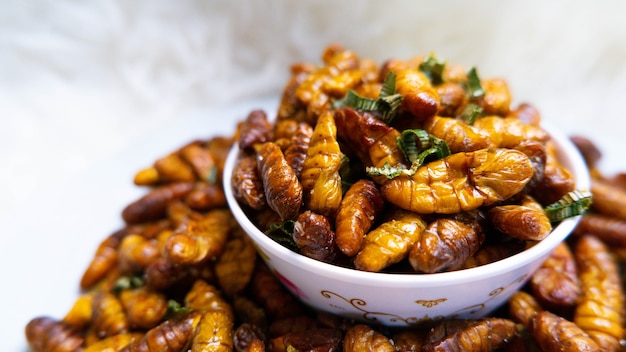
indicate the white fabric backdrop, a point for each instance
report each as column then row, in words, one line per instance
column 83, row 81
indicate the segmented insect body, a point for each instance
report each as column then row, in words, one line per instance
column 108, row 316
column 497, row 97
column 599, row 310
column 206, row 196
column 200, row 239
column 283, row 191
column 247, row 183
column 487, row 334
column 201, row 161
column 145, row 308
column 104, row 259
column 525, row 221
column 79, row 315
column 418, row 96
column 136, row 253
column 173, row 168
column 358, row 210
column 609, row 229
column 555, row 333
column 390, row 242
column 556, row 284
column 508, row 132
column 523, row 307
column 214, row 333
column 205, row 297
column 556, row 181
column 608, row 199
column 255, row 129
column 459, row 136
column 296, row 152
column 153, row 205
column 314, row 237
column 114, row 343
column 365, row 338
column 234, row 268
column 320, row 178
column 453, row 99
column 445, row 244
column 461, row 182
column 48, row 334
column 317, row 339
column 170, row 336
column 373, row 141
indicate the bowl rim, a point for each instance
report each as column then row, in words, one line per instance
column 566, row 151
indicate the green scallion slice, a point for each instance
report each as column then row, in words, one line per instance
column 572, row 204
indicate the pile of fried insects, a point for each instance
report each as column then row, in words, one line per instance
column 182, row 275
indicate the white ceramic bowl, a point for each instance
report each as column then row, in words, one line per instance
column 407, row 299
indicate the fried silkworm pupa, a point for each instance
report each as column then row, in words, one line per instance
column 296, row 152
column 589, row 150
column 556, row 181
column 314, row 237
column 527, row 114
column 79, row 315
column 247, row 183
column 492, row 252
column 409, row 340
column 205, row 297
column 108, row 315
column 452, row 98
column 201, row 239
column 526, row 221
column 214, row 332
column 390, row 242
column 45, row 334
column 461, row 182
column 364, row 338
column 497, row 98
column 367, row 137
column 206, row 196
column 470, row 335
column 445, row 244
column 320, row 178
column 298, row 323
column 234, row 268
column 144, row 307
column 609, row 229
column 173, row 168
column 170, row 336
column 599, row 310
column 283, row 191
column 554, row 333
column 556, row 284
column 523, row 307
column 201, row 161
column 153, row 205
column 104, row 259
column 272, row 296
column 136, row 253
column 359, row 208
column 318, row 339
column 114, row 343
column 418, row 95
column 459, row 136
column 608, row 199
column 255, row 129
column 248, row 338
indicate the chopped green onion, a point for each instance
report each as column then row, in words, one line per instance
column 387, row 103
column 433, row 69
column 474, row 88
column 572, row 204
column 470, row 113
column 127, row 282
column 175, row 308
column 417, row 145
column 282, row 233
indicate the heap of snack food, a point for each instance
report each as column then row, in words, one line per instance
column 182, row 275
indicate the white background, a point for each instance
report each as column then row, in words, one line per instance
column 90, row 92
